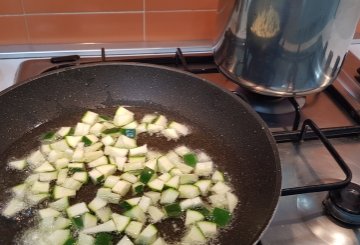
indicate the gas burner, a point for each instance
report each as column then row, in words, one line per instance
column 344, row 204
column 269, row 104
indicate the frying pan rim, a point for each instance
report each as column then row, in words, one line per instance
column 278, row 178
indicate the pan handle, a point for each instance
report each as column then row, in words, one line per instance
column 321, row 187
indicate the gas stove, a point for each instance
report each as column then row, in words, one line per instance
column 318, row 138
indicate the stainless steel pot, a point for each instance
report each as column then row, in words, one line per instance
column 286, row 47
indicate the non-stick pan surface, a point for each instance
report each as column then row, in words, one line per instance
column 224, row 126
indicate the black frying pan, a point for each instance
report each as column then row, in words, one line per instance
column 227, row 128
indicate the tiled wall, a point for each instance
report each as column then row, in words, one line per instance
column 79, row 21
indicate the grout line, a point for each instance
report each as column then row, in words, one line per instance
column 111, row 12
column 26, row 22
column 144, row 20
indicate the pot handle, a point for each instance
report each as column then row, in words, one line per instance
column 321, row 187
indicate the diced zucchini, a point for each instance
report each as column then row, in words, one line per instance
column 80, row 176
column 220, row 188
column 218, row 200
column 45, row 167
column 63, row 131
column 144, row 203
column 154, row 196
column 120, row 162
column 193, row 217
column 19, row 191
column 34, row 199
column 204, row 186
column 125, row 241
column 104, row 214
column 133, row 229
column 108, row 140
column 188, row 178
column 48, row 212
column 133, row 201
column 182, row 150
column 54, row 156
column 173, row 210
column 49, row 176
column 175, row 171
column 165, row 177
column 153, row 128
column 152, row 164
column 221, row 217
column 173, row 182
column 149, row 118
column 89, row 117
column 180, row 128
column 85, row 239
column 156, row 184
column 204, row 168
column 96, row 128
column 129, row 177
column 106, row 170
column 31, row 179
column 89, row 220
column 60, row 205
column 184, row 168
column 82, row 129
column 146, row 175
column 73, row 140
column 115, row 151
column 217, row 176
column 61, row 163
column 129, row 130
column 155, row 214
column 148, row 235
column 170, row 134
column 138, row 188
column 60, row 145
column 103, row 239
column 194, row 236
column 125, row 142
column 61, row 223
column 72, row 184
column 159, row 241
column 136, row 213
column 17, row 164
column 77, row 209
column 59, row 237
column 95, row 176
column 164, row 164
column 153, row 155
column 77, row 222
column 188, row 191
column 121, row 120
column 97, row 203
column 40, row 187
column 122, row 187
column 190, row 159
column 138, row 151
column 62, row 176
column 111, row 181
column 107, row 195
column 123, row 111
column 98, row 162
column 137, row 159
column 191, row 203
column 108, row 226
column 92, row 155
column 13, row 207
column 60, row 192
column 120, row 221
column 207, row 228
column 232, row 201
column 169, row 196
column 35, row 159
column 76, row 167
column 48, row 137
column 141, row 128
column 45, row 149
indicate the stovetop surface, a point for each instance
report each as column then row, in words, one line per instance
column 299, row 219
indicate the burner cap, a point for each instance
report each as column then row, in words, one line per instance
column 344, row 204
